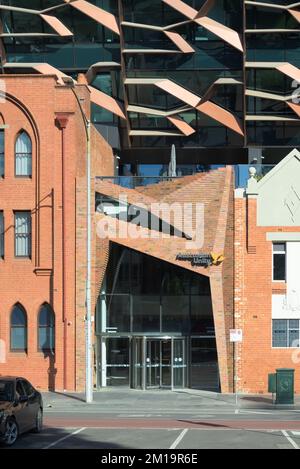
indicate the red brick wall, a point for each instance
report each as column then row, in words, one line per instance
column 221, row 281
column 253, row 302
column 33, row 104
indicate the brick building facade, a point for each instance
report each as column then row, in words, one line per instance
column 43, row 237
column 267, row 287
column 206, row 339
column 43, row 258
column 43, row 147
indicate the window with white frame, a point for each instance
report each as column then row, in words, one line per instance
column 279, row 262
column 23, row 155
column 2, row 153
column 22, row 234
column 285, row 333
column 1, row 235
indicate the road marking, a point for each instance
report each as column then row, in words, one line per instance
column 167, row 412
column 296, row 433
column 123, row 411
column 179, row 438
column 254, row 412
column 65, row 438
column 203, row 416
column 293, row 443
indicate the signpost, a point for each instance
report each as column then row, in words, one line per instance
column 236, row 336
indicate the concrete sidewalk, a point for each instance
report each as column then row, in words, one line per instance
column 118, row 400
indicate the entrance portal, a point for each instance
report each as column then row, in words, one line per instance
column 164, row 363
column 143, row 362
column 154, row 325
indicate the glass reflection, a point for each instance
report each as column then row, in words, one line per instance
column 204, row 364
column 118, row 361
column 147, row 295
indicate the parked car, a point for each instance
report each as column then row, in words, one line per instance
column 21, row 409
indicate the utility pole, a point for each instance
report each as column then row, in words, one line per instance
column 88, row 297
column 88, row 319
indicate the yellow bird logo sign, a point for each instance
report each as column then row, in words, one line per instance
column 217, row 259
column 202, row 260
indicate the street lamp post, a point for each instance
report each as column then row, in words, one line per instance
column 88, row 319
column 88, row 302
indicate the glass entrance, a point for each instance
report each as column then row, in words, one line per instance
column 166, row 363
column 158, row 363
column 179, row 363
column 137, row 362
column 143, row 362
column 113, row 361
column 153, row 363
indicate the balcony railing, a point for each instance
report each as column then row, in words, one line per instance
column 131, row 182
column 241, row 176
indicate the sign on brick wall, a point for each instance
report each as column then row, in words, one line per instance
column 236, row 335
column 202, row 260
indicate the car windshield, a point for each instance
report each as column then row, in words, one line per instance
column 6, row 390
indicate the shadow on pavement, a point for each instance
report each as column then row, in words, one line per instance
column 265, row 400
column 70, row 396
column 204, row 424
column 208, row 395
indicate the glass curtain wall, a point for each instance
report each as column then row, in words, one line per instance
column 146, row 295
column 151, row 299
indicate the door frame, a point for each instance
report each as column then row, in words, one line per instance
column 145, row 340
column 148, row 354
column 184, row 362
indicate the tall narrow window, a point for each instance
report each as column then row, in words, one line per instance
column 22, row 234
column 23, row 163
column 46, row 329
column 18, row 329
column 279, row 262
column 2, row 153
column 1, row 235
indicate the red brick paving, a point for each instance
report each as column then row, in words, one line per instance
column 172, row 423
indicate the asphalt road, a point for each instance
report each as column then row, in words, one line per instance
column 166, row 438
column 212, row 429
column 167, row 420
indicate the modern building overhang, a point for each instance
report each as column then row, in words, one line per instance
column 211, row 191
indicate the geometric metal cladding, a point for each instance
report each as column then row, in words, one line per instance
column 204, row 104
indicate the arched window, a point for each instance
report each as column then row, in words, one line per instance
column 46, row 328
column 23, row 155
column 18, row 329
